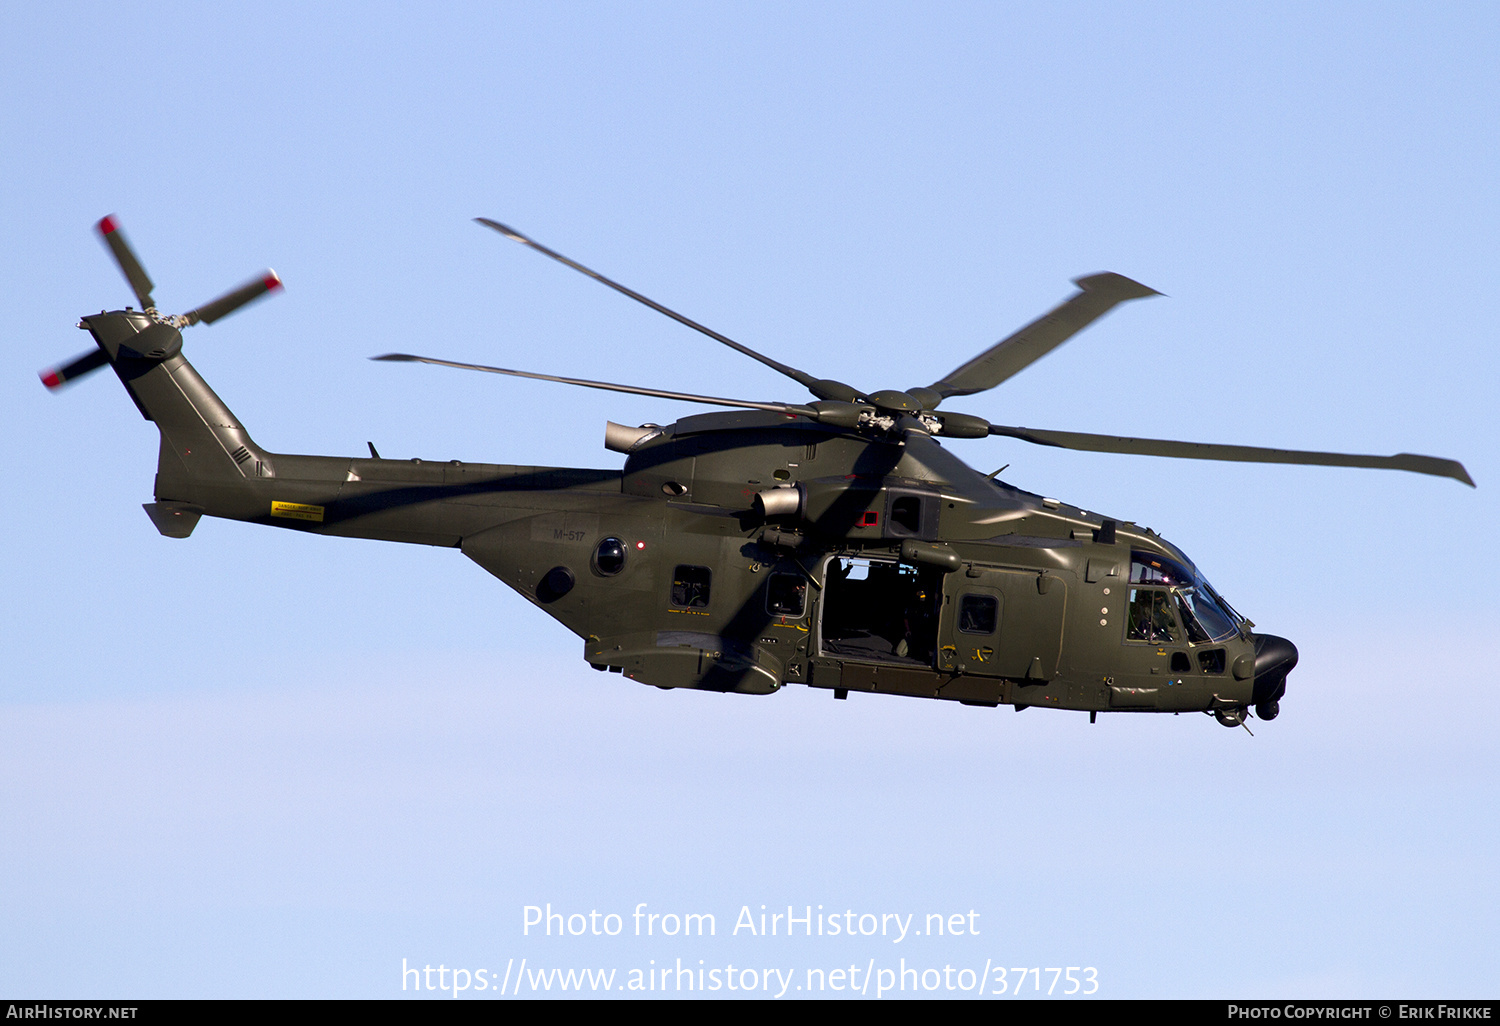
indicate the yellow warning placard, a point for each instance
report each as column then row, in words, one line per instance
column 297, row 511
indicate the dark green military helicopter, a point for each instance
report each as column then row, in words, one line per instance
column 835, row 543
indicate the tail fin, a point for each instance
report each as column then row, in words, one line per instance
column 207, row 457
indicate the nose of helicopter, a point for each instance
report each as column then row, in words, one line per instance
column 1274, row 659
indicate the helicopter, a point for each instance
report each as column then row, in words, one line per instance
column 835, row 543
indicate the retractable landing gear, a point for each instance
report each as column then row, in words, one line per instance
column 1232, row 716
column 1235, row 715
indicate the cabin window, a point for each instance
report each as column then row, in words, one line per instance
column 978, row 614
column 786, row 595
column 690, row 586
column 609, row 557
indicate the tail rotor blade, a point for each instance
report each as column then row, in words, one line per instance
column 140, row 282
column 59, row 376
column 229, row 303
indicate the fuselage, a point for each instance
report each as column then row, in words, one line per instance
column 744, row 551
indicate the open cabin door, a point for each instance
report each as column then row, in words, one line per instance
column 879, row 610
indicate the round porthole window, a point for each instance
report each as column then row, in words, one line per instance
column 609, row 557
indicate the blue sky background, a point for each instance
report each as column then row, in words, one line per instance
column 255, row 763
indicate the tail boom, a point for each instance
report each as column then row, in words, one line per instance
column 208, row 465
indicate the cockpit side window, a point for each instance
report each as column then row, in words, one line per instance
column 1204, row 616
column 1151, row 617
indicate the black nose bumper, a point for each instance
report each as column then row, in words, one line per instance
column 1274, row 659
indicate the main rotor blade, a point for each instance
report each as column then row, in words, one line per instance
column 801, row 377
column 1097, row 295
column 232, row 301
column 140, row 283
column 1433, row 465
column 59, row 376
column 607, row 386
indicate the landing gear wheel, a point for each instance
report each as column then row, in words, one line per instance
column 1233, row 717
column 1268, row 710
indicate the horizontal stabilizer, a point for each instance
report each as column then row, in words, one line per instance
column 174, row 519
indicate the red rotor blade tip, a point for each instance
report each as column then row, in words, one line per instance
column 272, row 280
column 107, row 224
column 51, row 378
